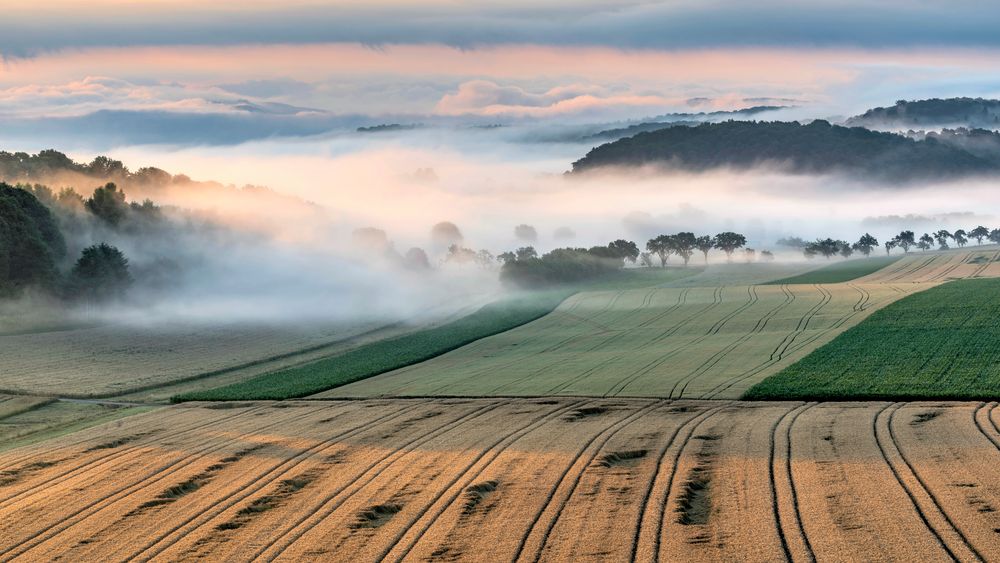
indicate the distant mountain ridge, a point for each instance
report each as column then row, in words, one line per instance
column 931, row 114
column 818, row 147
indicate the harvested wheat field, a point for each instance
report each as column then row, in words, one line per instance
column 553, row 479
column 939, row 266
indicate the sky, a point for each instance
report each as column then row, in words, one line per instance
column 227, row 72
column 272, row 92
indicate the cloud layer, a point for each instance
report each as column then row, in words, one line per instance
column 34, row 28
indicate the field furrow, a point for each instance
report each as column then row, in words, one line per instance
column 534, row 479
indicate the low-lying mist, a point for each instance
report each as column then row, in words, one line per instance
column 250, row 255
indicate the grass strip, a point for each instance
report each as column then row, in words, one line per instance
column 841, row 271
column 942, row 343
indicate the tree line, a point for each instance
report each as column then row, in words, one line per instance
column 905, row 240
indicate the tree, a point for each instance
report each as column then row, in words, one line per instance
column 101, row 273
column 905, row 240
column 416, row 259
column 979, row 233
column 526, row 233
column 766, row 256
column 445, row 234
column 728, row 242
column 704, row 243
column 827, row 247
column 661, row 246
column 104, row 167
column 865, row 244
column 889, row 245
column 995, row 236
column 926, row 242
column 846, row 250
column 750, row 254
column 942, row 237
column 624, row 249
column 646, row 259
column 684, row 245
column 526, row 253
column 30, row 241
column 960, row 237
column 792, row 242
column 506, row 257
column 460, row 255
column 108, row 204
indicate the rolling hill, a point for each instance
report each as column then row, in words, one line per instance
column 818, row 147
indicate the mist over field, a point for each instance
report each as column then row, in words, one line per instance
column 287, row 253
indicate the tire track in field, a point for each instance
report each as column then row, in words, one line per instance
column 729, row 383
column 33, row 454
column 600, row 439
column 881, row 275
column 761, row 323
column 803, row 323
column 164, row 541
column 560, row 509
column 982, row 267
column 962, row 259
column 919, row 266
column 664, row 504
column 682, row 296
column 467, row 478
column 988, row 409
column 559, row 387
column 9, row 463
column 300, row 528
column 618, row 387
column 681, row 301
column 717, row 357
column 863, row 300
column 957, row 544
column 802, row 545
column 115, row 454
column 655, row 477
column 147, row 481
column 475, row 373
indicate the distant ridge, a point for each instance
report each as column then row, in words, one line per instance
column 933, row 113
column 818, row 147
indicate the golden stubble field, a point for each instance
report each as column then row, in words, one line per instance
column 514, row 480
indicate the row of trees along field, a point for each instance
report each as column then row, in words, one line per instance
column 33, row 249
column 565, row 265
column 685, row 244
column 905, row 240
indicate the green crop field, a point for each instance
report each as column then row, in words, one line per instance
column 841, row 271
column 940, row 343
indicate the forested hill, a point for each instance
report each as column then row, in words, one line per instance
column 932, row 114
column 818, row 147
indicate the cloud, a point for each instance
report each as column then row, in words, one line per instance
column 681, row 24
column 486, row 98
column 270, row 88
